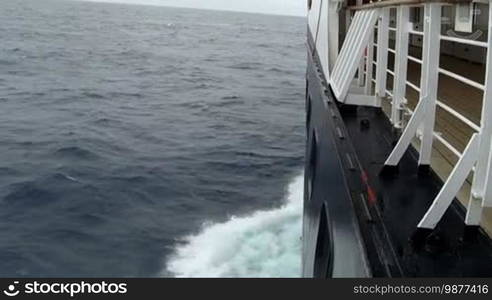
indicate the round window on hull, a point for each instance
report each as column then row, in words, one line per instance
column 308, row 112
column 324, row 254
column 311, row 165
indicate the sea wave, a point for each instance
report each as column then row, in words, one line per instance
column 264, row 244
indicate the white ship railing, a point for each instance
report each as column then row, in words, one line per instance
column 477, row 156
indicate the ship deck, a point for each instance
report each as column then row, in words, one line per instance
column 465, row 100
column 403, row 199
column 389, row 207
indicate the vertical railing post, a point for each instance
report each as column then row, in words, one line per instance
column 401, row 62
column 360, row 73
column 481, row 193
column 369, row 64
column 430, row 77
column 382, row 53
column 348, row 20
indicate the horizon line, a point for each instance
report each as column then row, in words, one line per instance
column 188, row 7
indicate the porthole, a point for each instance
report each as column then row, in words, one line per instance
column 308, row 112
column 312, row 162
column 323, row 256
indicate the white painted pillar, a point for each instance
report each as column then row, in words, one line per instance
column 333, row 33
column 481, row 194
column 360, row 73
column 348, row 20
column 382, row 53
column 430, row 76
column 369, row 64
column 401, row 63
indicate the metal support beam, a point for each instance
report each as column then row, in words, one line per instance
column 401, row 63
column 408, row 134
column 452, row 185
column 430, row 76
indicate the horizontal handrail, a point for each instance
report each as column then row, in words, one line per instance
column 451, row 111
column 416, row 32
column 438, row 137
column 462, row 79
column 458, row 116
column 464, row 41
column 414, row 59
column 447, row 144
column 394, row 3
column 408, row 110
column 454, row 113
column 413, row 86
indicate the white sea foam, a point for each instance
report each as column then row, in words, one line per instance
column 264, row 244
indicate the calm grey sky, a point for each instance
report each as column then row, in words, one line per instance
column 282, row 7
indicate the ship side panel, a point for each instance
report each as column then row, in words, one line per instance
column 332, row 244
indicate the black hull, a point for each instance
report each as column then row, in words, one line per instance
column 360, row 220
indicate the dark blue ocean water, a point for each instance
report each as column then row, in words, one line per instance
column 127, row 132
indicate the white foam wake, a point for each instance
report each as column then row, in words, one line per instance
column 264, row 244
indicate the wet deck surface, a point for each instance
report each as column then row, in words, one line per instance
column 403, row 199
